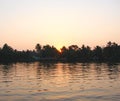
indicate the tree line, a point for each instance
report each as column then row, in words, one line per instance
column 109, row 53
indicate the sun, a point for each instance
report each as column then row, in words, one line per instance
column 58, row 46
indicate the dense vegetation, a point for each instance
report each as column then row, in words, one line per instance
column 110, row 53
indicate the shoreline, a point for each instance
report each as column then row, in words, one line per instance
column 47, row 60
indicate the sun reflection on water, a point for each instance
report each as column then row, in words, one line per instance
column 59, row 81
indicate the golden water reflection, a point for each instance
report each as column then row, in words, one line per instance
column 59, row 82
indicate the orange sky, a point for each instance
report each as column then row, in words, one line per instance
column 64, row 22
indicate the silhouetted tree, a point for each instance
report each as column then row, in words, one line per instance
column 72, row 52
column 49, row 52
column 85, row 53
column 111, row 52
column 7, row 53
column 73, row 47
column 38, row 48
column 7, row 48
column 64, row 52
column 98, row 53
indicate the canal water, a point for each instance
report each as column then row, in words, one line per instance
column 60, row 82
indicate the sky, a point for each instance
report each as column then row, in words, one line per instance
column 24, row 23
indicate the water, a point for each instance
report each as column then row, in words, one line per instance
column 59, row 82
